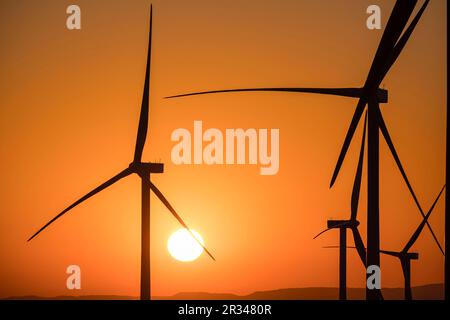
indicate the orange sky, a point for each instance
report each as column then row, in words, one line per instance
column 69, row 107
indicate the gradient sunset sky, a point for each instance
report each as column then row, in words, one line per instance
column 69, row 108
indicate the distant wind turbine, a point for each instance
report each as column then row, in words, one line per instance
column 404, row 255
column 351, row 224
column 143, row 170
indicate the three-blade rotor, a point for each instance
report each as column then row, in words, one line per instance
column 137, row 165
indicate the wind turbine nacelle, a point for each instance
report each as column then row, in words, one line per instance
column 382, row 95
column 154, row 167
column 336, row 224
column 147, row 167
column 413, row 255
column 401, row 254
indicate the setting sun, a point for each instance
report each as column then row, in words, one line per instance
column 183, row 247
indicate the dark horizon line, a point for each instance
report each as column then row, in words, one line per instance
column 440, row 284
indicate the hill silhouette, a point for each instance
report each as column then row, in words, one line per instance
column 426, row 292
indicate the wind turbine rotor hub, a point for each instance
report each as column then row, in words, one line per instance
column 145, row 168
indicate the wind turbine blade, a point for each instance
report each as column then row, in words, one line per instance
column 404, row 39
column 348, row 137
column 397, row 21
column 333, row 91
column 103, row 186
column 390, row 144
column 177, row 216
column 322, row 232
column 358, row 176
column 328, row 229
column 359, row 245
column 419, row 229
column 143, row 118
column 344, row 92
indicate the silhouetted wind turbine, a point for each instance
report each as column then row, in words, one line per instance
column 143, row 170
column 391, row 45
column 404, row 255
column 351, row 224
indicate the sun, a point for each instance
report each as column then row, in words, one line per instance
column 183, row 247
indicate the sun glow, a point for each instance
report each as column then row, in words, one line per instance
column 183, row 247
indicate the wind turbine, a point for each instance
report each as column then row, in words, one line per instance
column 404, row 255
column 370, row 95
column 143, row 170
column 351, row 224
